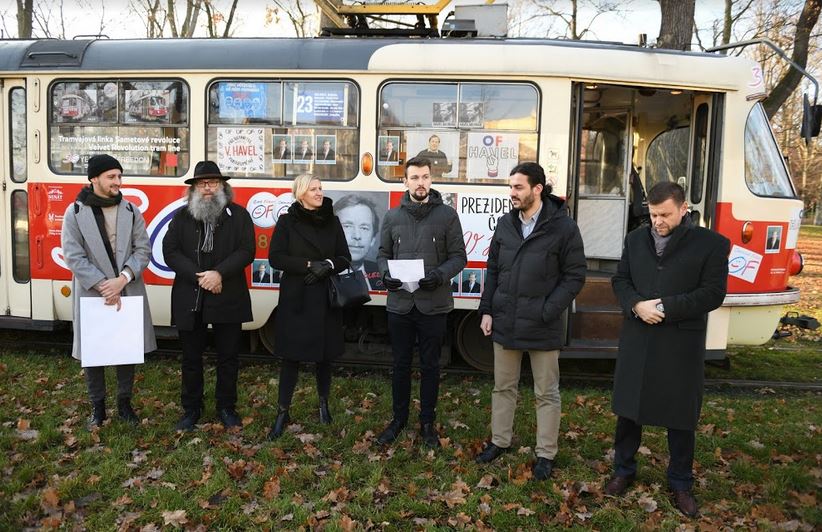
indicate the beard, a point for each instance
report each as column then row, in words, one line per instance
column 208, row 209
column 527, row 202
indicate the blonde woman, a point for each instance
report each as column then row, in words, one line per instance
column 308, row 246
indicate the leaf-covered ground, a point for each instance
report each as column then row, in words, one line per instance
column 759, row 460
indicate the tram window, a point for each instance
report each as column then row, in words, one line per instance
column 471, row 132
column 700, row 151
column 17, row 115
column 143, row 123
column 667, row 157
column 765, row 172
column 603, row 153
column 20, row 236
column 316, row 131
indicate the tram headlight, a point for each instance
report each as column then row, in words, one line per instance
column 797, row 263
column 367, row 163
column 747, row 232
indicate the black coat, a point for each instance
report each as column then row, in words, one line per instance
column 660, row 368
column 307, row 328
column 530, row 282
column 233, row 250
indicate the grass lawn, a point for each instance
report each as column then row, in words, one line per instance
column 759, row 460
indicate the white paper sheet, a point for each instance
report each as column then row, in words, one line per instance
column 109, row 337
column 408, row 271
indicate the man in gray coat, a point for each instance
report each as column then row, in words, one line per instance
column 422, row 227
column 671, row 275
column 106, row 247
column 536, row 266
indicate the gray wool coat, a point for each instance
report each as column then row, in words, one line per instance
column 86, row 257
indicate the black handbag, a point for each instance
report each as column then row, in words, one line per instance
column 347, row 290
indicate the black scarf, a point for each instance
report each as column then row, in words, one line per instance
column 97, row 203
column 316, row 217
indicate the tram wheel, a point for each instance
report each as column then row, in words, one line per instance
column 474, row 347
column 267, row 333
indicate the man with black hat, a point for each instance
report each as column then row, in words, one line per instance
column 106, row 247
column 209, row 243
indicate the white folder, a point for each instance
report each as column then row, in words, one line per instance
column 109, row 337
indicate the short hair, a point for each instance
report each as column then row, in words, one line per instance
column 352, row 200
column 301, row 185
column 665, row 190
column 417, row 161
column 535, row 175
column 434, row 136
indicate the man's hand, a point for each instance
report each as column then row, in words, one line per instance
column 391, row 283
column 647, row 311
column 114, row 300
column 112, row 287
column 211, row 280
column 431, row 281
column 486, row 324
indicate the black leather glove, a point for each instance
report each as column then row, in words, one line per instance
column 431, row 281
column 320, row 269
column 391, row 283
column 310, row 278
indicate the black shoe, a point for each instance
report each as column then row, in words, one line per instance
column 685, row 502
column 189, row 419
column 98, row 414
column 429, row 436
column 126, row 413
column 391, row 432
column 279, row 424
column 229, row 418
column 617, row 485
column 325, row 415
column 490, row 453
column 542, row 468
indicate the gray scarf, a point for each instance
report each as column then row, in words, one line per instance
column 208, row 212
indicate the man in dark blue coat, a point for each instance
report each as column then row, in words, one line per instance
column 671, row 275
column 536, row 266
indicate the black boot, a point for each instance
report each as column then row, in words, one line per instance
column 98, row 414
column 325, row 415
column 279, row 424
column 126, row 413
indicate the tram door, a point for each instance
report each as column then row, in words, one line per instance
column 15, row 271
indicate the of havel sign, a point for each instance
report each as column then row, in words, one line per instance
column 241, row 150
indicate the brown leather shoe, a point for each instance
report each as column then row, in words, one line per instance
column 685, row 502
column 617, row 485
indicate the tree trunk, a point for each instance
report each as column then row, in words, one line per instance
column 789, row 82
column 226, row 32
column 677, row 24
column 25, row 8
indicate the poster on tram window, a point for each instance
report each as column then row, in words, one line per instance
column 241, row 149
column 319, row 105
column 440, row 147
column 491, row 155
column 479, row 214
column 239, row 100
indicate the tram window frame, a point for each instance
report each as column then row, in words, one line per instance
column 347, row 133
column 699, row 157
column 18, row 154
column 649, row 183
column 20, row 257
column 121, row 120
column 776, row 159
column 454, row 137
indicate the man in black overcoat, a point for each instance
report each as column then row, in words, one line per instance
column 209, row 243
column 671, row 275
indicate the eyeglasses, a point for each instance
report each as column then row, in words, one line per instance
column 208, row 183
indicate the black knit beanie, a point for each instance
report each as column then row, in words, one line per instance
column 101, row 163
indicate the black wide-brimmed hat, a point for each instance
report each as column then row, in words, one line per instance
column 206, row 170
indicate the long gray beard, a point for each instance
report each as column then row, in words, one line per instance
column 208, row 210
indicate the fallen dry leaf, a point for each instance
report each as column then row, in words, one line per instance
column 177, row 518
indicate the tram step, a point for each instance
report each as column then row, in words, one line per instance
column 597, row 292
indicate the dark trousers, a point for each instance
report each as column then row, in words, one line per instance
column 428, row 333
column 680, row 447
column 96, row 382
column 289, row 373
column 227, row 337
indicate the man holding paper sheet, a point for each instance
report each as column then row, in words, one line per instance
column 422, row 235
column 106, row 247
